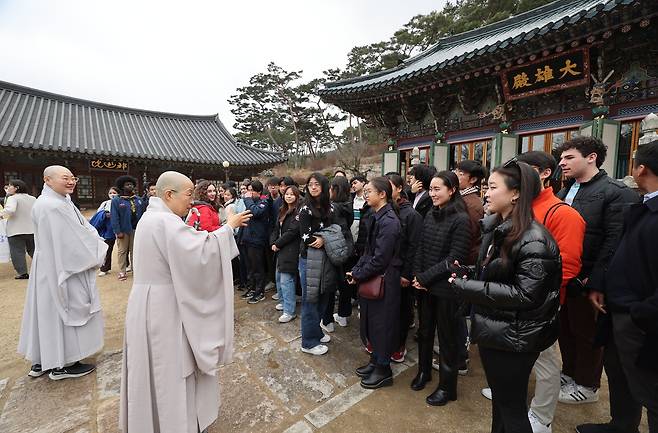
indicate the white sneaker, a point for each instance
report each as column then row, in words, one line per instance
column 279, row 307
column 285, row 318
column 342, row 321
column 578, row 394
column 537, row 426
column 325, row 339
column 327, row 328
column 486, row 392
column 101, row 273
column 320, row 349
column 275, row 297
column 129, row 268
column 565, row 380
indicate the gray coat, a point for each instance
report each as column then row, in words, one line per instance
column 335, row 245
column 321, row 274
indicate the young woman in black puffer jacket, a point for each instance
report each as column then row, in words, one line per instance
column 446, row 238
column 516, row 295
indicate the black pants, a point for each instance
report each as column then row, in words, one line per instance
column 508, row 374
column 631, row 387
column 346, row 292
column 243, row 265
column 18, row 246
column 462, row 339
column 107, row 264
column 440, row 314
column 407, row 298
column 257, row 268
column 270, row 276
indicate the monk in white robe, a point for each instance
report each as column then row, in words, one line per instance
column 179, row 320
column 62, row 320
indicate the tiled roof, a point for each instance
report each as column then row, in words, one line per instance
column 33, row 119
column 455, row 49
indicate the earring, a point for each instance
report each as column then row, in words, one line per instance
column 513, row 201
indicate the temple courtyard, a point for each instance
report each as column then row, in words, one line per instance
column 270, row 386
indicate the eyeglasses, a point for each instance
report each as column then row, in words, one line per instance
column 70, row 179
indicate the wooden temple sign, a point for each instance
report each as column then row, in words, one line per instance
column 549, row 74
column 102, row 164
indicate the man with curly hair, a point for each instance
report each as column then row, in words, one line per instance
column 126, row 210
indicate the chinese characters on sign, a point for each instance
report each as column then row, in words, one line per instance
column 100, row 164
column 549, row 74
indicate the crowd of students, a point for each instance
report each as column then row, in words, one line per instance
column 525, row 267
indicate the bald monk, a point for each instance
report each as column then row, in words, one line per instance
column 179, row 320
column 62, row 320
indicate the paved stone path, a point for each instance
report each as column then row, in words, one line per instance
column 270, row 387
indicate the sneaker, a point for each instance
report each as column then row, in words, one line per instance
column 122, row 276
column 103, row 273
column 368, row 348
column 256, row 298
column 129, row 268
column 486, row 393
column 275, row 297
column 399, row 356
column 342, row 321
column 328, row 327
column 278, row 307
column 578, row 394
column 36, row 371
column 435, row 364
column 269, row 286
column 565, row 380
column 537, row 426
column 325, row 339
column 248, row 294
column 22, row 277
column 463, row 368
column 76, row 370
column 285, row 317
column 320, row 349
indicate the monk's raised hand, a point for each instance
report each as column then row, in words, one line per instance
column 239, row 220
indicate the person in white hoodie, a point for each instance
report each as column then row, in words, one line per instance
column 20, row 231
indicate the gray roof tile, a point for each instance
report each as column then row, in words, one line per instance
column 33, row 119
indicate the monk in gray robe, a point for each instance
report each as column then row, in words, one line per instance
column 62, row 320
column 179, row 320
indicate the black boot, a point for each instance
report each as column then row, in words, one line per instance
column 380, row 376
column 420, row 380
column 447, row 389
column 365, row 370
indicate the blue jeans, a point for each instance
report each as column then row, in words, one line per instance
column 285, row 287
column 311, row 313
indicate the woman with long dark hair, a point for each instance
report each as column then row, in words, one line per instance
column 204, row 214
column 411, row 226
column 516, row 294
column 315, row 214
column 380, row 318
column 341, row 202
column 285, row 244
column 446, row 238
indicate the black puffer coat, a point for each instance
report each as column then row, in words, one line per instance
column 515, row 307
column 446, row 237
column 411, row 226
column 286, row 237
column 601, row 202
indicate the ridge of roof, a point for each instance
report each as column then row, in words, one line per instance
column 451, row 41
column 102, row 105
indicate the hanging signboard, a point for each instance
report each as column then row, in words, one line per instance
column 103, row 164
column 549, row 74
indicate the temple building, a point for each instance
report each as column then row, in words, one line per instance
column 529, row 82
column 100, row 142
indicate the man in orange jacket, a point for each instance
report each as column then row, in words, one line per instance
column 568, row 228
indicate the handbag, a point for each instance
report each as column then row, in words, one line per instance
column 373, row 288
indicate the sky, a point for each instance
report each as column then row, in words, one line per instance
column 184, row 56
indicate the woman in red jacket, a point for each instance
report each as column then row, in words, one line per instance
column 204, row 214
